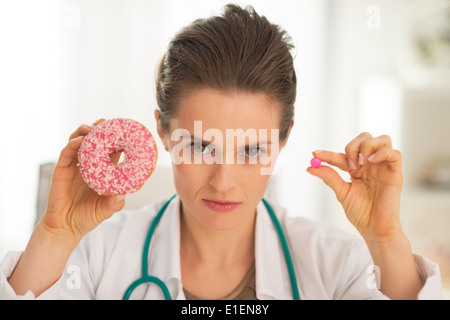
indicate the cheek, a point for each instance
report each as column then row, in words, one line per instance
column 257, row 184
column 188, row 178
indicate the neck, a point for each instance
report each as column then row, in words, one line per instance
column 217, row 248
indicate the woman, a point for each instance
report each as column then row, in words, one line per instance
column 215, row 239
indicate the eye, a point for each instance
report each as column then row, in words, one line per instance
column 201, row 148
column 197, row 147
column 253, row 151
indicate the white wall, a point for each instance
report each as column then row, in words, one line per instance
column 31, row 112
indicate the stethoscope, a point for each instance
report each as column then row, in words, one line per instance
column 146, row 278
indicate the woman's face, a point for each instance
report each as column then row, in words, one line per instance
column 219, row 154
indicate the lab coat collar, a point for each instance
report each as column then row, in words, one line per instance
column 272, row 279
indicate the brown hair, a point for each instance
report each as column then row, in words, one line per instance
column 238, row 51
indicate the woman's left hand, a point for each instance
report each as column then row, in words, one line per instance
column 371, row 200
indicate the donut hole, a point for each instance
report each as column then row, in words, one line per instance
column 117, row 157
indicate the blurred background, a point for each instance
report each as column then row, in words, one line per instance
column 376, row 66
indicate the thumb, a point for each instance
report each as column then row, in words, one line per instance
column 331, row 179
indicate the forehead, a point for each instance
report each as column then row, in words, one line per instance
column 223, row 111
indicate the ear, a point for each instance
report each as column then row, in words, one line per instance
column 161, row 132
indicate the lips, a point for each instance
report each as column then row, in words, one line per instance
column 221, row 205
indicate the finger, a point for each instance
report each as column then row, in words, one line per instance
column 331, row 179
column 370, row 146
column 70, row 152
column 352, row 149
column 108, row 205
column 115, row 157
column 84, row 129
column 81, row 131
column 98, row 121
column 335, row 159
column 386, row 154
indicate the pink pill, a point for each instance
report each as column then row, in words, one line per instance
column 315, row 162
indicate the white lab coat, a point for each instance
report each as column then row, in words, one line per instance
column 329, row 263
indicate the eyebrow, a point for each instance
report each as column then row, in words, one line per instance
column 206, row 142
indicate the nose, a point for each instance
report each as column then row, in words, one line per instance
column 223, row 176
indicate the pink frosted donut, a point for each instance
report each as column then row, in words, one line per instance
column 124, row 135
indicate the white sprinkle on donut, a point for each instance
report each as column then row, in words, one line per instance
column 110, row 136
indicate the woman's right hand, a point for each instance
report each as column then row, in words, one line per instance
column 73, row 209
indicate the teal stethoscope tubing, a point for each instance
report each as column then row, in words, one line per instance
column 287, row 253
column 146, row 278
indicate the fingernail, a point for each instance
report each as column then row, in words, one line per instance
column 317, row 151
column 360, row 159
column 120, row 197
column 371, row 157
column 351, row 164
